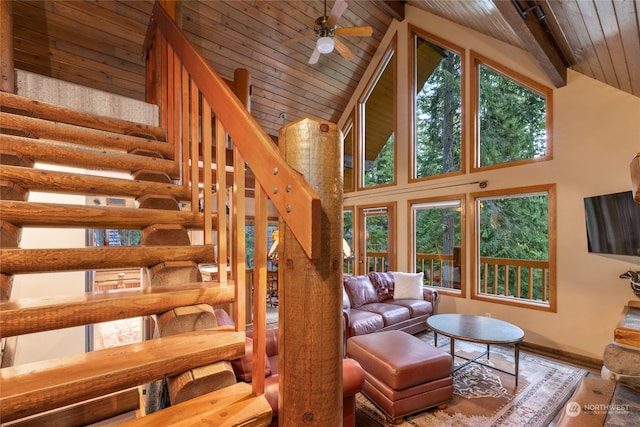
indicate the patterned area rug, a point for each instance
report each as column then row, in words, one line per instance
column 488, row 397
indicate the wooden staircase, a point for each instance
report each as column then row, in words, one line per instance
column 33, row 393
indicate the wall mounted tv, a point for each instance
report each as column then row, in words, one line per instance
column 613, row 224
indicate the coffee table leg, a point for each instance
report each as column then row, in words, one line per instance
column 488, row 355
column 435, row 338
column 452, row 345
column 517, row 359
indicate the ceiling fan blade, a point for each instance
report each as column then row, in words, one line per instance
column 295, row 13
column 365, row 31
column 336, row 12
column 297, row 39
column 343, row 49
column 314, row 56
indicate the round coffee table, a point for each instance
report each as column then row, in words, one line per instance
column 479, row 329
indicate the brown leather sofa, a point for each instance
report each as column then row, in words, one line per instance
column 369, row 305
column 352, row 377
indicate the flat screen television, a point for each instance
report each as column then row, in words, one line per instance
column 613, row 224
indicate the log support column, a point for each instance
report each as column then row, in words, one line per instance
column 310, row 290
column 7, row 74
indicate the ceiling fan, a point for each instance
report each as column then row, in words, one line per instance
column 325, row 30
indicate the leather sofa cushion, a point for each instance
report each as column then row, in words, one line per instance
column 364, row 322
column 398, row 359
column 360, row 290
column 243, row 367
column 384, row 284
column 417, row 307
column 391, row 313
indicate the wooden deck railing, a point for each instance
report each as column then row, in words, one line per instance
column 524, row 279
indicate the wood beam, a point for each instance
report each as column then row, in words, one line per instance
column 536, row 38
column 395, row 9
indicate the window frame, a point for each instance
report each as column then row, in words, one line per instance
column 461, row 52
column 474, row 263
column 389, row 57
column 462, row 292
column 477, row 60
column 360, row 223
column 350, row 126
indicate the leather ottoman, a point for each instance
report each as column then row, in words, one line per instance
column 402, row 374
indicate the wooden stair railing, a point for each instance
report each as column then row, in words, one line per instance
column 297, row 203
column 31, row 389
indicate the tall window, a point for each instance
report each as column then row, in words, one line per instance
column 437, row 108
column 377, row 238
column 348, row 175
column 514, row 246
column 377, row 121
column 512, row 117
column 437, row 234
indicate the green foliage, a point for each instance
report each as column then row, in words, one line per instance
column 439, row 120
column 515, row 227
column 512, row 120
column 381, row 171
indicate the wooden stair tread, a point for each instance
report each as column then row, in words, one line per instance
column 235, row 405
column 29, row 315
column 85, row 413
column 41, row 386
column 75, row 183
column 21, row 261
column 58, row 214
column 60, row 114
column 46, row 129
column 64, row 153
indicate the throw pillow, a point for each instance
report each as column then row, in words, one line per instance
column 408, row 285
column 384, row 284
column 360, row 290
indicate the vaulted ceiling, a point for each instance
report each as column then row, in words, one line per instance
column 99, row 43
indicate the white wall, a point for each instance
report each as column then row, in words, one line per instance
column 596, row 133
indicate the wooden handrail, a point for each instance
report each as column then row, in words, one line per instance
column 297, row 203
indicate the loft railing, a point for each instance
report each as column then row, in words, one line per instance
column 200, row 111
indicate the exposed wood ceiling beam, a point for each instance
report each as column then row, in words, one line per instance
column 395, row 9
column 536, row 37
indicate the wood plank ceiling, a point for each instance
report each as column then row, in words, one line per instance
column 99, row 44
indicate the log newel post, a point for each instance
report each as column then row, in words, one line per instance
column 310, row 290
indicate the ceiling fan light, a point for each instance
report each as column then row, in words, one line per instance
column 325, row 45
